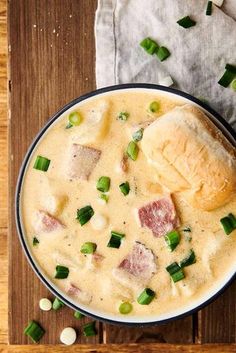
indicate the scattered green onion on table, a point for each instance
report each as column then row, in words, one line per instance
column 78, row 315
column 90, row 329
column 228, row 76
column 209, row 8
column 186, row 22
column 149, row 45
column 34, row 331
column 162, row 53
column 57, row 304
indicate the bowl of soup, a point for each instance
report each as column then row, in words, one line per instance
column 126, row 205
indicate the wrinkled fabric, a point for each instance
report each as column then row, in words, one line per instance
column 198, row 54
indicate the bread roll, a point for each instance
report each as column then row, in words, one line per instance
column 192, row 156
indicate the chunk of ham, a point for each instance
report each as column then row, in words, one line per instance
column 82, row 161
column 46, row 223
column 77, row 293
column 136, row 268
column 160, row 216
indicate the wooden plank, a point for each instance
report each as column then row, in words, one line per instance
column 218, row 320
column 3, row 117
column 122, row 348
column 3, row 286
column 51, row 62
column 180, row 331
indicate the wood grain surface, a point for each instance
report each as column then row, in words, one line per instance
column 122, row 348
column 51, row 62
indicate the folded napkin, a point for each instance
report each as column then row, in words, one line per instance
column 198, row 54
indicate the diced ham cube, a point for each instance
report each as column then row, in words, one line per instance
column 77, row 293
column 159, row 216
column 82, row 161
column 46, row 223
column 136, row 268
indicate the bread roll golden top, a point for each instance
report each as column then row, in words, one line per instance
column 192, row 156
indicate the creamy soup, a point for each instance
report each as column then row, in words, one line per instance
column 156, row 227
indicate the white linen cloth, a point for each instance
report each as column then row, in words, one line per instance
column 198, row 54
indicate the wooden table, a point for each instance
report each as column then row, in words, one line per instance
column 214, row 324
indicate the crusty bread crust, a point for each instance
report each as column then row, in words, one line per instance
column 213, row 130
column 192, row 156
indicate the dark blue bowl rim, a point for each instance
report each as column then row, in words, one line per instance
column 20, row 181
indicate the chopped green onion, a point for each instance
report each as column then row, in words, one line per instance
column 231, row 68
column 75, row 118
column 172, row 268
column 227, row 78
column 209, row 8
column 149, row 45
column 89, row 329
column 233, row 84
column 88, row 248
column 146, row 296
column 138, row 135
column 35, row 241
column 125, row 308
column 162, row 53
column 78, row 315
column 177, row 276
column 228, row 223
column 175, row 272
column 68, row 126
column 189, row 260
column 61, row 272
column 172, row 239
column 84, row 214
column 34, row 331
column 115, row 240
column 123, row 116
column 57, row 304
column 103, row 184
column 232, row 219
column 41, row 163
column 104, row 197
column 154, row 107
column 186, row 22
column 132, row 150
column 125, row 188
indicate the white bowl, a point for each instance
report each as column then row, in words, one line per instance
column 196, row 304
